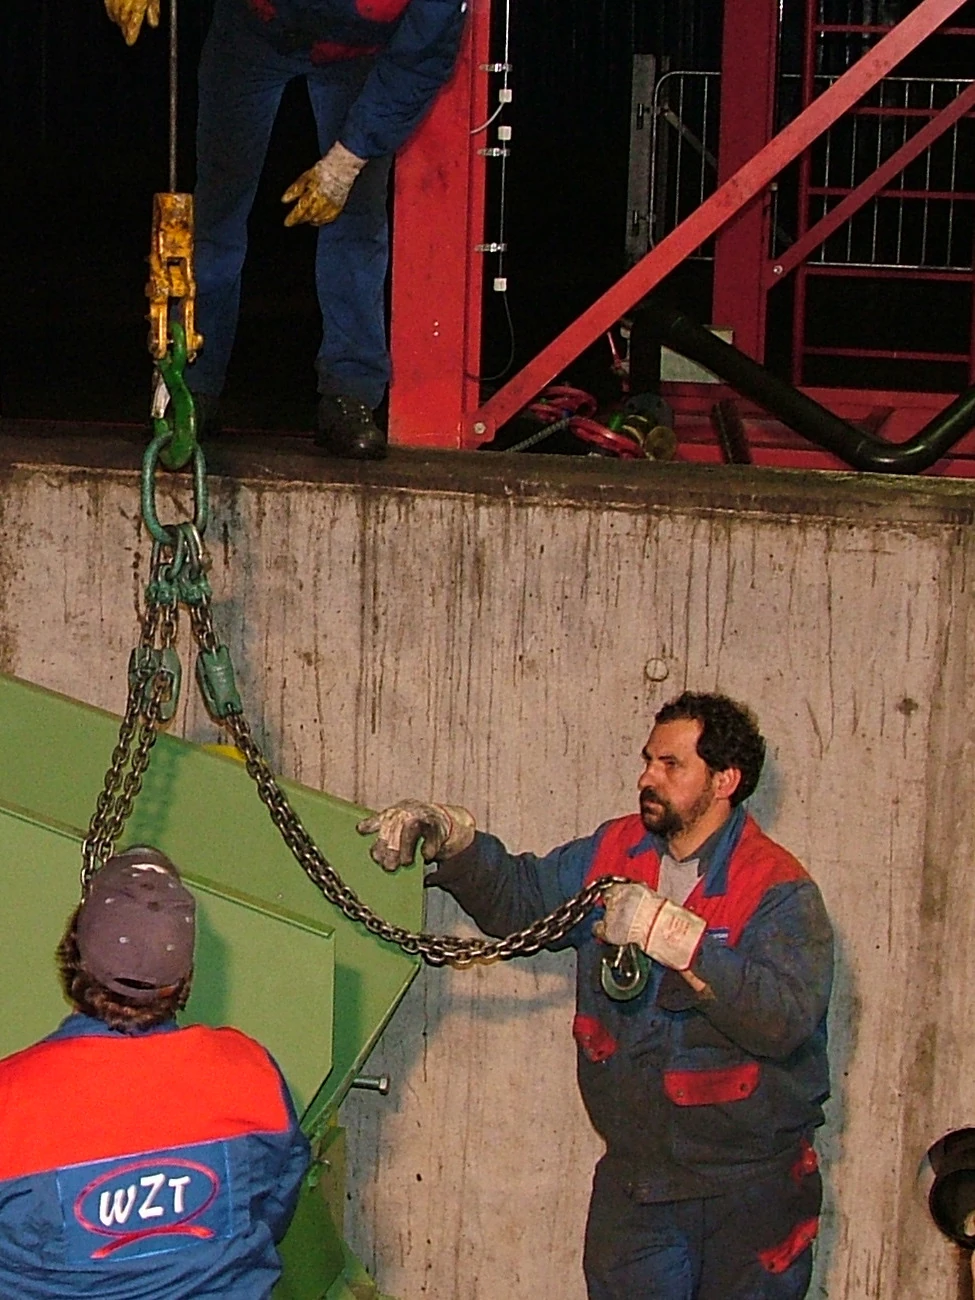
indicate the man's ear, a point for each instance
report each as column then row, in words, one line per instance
column 726, row 782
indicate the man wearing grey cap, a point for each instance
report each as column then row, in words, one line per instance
column 140, row 1160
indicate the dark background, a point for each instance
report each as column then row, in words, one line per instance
column 84, row 147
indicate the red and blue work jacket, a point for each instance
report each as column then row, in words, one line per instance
column 149, row 1166
column 689, row 1092
column 413, row 43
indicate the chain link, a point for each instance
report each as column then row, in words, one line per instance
column 123, row 780
column 436, row 949
column 121, row 787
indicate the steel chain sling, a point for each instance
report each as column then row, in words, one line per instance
column 178, row 576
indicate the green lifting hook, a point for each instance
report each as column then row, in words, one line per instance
column 180, row 418
column 624, row 973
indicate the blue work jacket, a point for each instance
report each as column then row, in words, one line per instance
column 154, row 1166
column 690, row 1093
column 413, row 45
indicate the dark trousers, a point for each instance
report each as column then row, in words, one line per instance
column 752, row 1244
column 242, row 78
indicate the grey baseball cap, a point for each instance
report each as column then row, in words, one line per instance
column 137, row 925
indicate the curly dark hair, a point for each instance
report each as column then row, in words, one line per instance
column 93, row 999
column 729, row 736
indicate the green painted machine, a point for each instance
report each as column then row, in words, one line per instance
column 274, row 957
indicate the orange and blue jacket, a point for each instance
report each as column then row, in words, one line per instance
column 149, row 1166
column 689, row 1093
column 413, row 43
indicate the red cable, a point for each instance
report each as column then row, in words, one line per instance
column 620, row 444
column 560, row 402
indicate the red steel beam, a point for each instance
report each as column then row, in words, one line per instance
column 747, row 116
column 887, row 354
column 848, row 270
column 777, row 269
column 705, row 221
column 438, row 222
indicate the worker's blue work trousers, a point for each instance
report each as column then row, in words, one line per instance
column 749, row 1245
column 242, row 78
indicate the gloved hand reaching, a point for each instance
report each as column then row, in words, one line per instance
column 637, row 914
column 128, row 15
column 323, row 190
column 444, row 831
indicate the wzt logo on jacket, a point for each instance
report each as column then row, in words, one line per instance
column 132, row 1206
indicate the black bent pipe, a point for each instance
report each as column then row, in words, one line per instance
column 655, row 323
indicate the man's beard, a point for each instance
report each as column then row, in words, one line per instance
column 663, row 819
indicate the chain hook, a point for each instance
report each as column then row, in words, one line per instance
column 177, row 418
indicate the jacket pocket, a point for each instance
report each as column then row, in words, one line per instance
column 595, row 1041
column 712, row 1087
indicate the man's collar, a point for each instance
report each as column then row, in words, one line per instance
column 704, row 853
column 713, row 854
column 78, row 1025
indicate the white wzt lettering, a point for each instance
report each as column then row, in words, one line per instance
column 147, row 1210
column 178, row 1185
column 116, row 1207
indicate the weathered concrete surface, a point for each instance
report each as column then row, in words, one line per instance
column 498, row 632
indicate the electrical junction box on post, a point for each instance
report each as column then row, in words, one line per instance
column 274, row 958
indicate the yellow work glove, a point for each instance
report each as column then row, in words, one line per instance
column 637, row 914
column 128, row 15
column 320, row 193
column 443, row 830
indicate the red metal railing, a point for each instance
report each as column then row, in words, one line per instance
column 898, row 232
column 458, row 422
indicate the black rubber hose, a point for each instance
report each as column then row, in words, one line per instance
column 859, row 449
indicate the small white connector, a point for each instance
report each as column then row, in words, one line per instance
column 500, row 284
column 504, row 132
column 505, row 95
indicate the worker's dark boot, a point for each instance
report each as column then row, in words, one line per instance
column 346, row 428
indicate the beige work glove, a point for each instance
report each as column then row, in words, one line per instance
column 128, row 15
column 444, row 831
column 637, row 914
column 320, row 193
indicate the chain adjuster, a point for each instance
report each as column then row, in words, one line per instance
column 149, row 664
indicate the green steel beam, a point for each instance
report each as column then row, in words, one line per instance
column 203, row 810
column 239, row 978
column 273, row 957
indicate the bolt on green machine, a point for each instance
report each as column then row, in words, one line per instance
column 274, row 957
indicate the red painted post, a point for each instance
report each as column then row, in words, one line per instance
column 705, row 221
column 801, row 286
column 748, row 78
column 438, row 219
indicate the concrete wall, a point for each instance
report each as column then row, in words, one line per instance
column 498, row 633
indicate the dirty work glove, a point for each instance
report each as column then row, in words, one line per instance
column 444, row 831
column 637, row 914
column 321, row 192
column 128, row 14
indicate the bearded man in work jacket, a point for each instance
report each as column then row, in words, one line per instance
column 139, row 1160
column 373, row 69
column 708, row 1085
